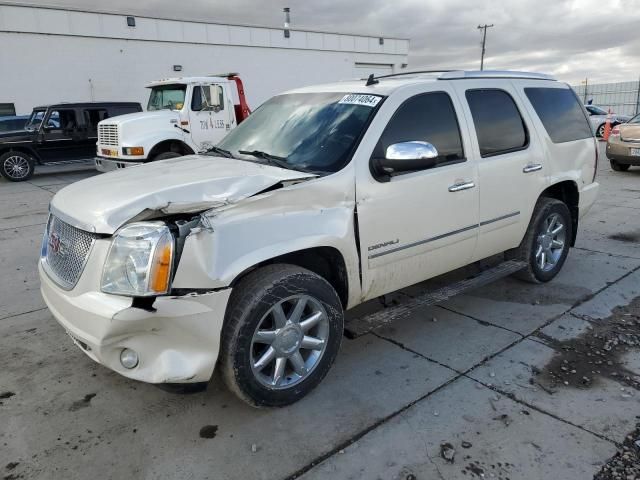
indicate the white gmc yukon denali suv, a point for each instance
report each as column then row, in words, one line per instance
column 245, row 259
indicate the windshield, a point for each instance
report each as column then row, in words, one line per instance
column 35, row 120
column 309, row 131
column 635, row 119
column 167, row 97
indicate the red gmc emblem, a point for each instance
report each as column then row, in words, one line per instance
column 54, row 243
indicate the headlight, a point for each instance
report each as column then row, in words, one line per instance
column 139, row 260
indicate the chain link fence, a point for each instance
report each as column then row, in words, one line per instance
column 622, row 97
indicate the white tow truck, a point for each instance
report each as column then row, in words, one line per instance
column 184, row 116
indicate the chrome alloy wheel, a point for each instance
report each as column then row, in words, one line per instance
column 550, row 243
column 16, row 166
column 289, row 342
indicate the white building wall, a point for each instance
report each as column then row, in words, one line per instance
column 50, row 55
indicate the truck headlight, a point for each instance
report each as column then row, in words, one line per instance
column 139, row 261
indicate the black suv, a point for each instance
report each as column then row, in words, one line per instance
column 54, row 133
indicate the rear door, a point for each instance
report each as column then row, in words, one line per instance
column 511, row 162
column 91, row 117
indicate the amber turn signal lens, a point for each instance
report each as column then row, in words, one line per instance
column 161, row 268
column 133, row 150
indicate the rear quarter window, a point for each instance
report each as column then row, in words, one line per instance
column 560, row 112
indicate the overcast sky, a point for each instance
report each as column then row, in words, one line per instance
column 571, row 39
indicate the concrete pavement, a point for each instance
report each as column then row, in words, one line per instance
column 472, row 378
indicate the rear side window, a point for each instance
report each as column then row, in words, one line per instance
column 560, row 113
column 94, row 115
column 429, row 117
column 499, row 125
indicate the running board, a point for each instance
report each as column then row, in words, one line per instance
column 357, row 327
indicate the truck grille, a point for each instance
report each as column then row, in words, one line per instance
column 108, row 134
column 67, row 250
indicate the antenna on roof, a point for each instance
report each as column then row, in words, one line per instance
column 371, row 80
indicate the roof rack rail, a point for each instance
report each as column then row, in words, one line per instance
column 415, row 72
column 466, row 74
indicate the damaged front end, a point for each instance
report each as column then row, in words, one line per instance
column 121, row 310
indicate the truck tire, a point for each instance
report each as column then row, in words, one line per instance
column 281, row 334
column 166, row 155
column 16, row 166
column 546, row 243
column 619, row 167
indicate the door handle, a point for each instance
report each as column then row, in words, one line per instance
column 532, row 167
column 457, row 187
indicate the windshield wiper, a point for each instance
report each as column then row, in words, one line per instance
column 220, row 151
column 273, row 159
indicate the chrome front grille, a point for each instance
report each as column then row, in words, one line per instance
column 108, row 134
column 66, row 249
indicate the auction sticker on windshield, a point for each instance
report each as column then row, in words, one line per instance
column 360, row 99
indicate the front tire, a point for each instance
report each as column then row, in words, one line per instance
column 600, row 131
column 619, row 167
column 282, row 332
column 16, row 166
column 546, row 243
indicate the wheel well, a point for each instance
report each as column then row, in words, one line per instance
column 170, row 146
column 324, row 261
column 567, row 192
column 26, row 150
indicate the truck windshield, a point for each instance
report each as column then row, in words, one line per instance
column 167, row 97
column 309, row 131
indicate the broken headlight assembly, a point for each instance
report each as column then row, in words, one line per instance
column 139, row 262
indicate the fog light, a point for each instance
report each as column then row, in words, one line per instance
column 128, row 358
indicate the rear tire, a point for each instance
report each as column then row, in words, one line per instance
column 166, row 155
column 281, row 334
column 16, row 166
column 546, row 243
column 600, row 131
column 619, row 167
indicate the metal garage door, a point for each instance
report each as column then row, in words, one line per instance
column 363, row 70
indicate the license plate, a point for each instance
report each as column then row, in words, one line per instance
column 108, row 152
column 635, row 152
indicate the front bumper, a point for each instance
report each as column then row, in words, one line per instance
column 178, row 342
column 110, row 164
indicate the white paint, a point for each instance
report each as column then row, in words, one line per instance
column 51, row 54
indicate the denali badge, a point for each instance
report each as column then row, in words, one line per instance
column 384, row 244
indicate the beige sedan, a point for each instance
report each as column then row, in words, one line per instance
column 623, row 146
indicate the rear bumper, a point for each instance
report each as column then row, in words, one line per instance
column 588, row 197
column 108, row 165
column 178, row 342
column 620, row 152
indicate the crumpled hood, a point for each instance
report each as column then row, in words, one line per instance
column 179, row 185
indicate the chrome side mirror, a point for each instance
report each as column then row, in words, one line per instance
column 404, row 157
column 411, row 151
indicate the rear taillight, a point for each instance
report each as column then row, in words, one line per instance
column 595, row 166
column 615, row 131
